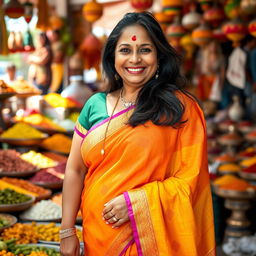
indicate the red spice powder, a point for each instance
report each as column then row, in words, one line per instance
column 250, row 169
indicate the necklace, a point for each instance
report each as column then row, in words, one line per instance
column 125, row 103
column 102, row 151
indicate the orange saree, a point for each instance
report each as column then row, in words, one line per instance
column 162, row 173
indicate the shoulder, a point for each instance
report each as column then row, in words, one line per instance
column 95, row 98
column 192, row 108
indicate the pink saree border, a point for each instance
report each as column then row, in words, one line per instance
column 107, row 119
column 126, row 247
column 79, row 133
column 133, row 223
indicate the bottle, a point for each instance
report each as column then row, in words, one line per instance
column 236, row 111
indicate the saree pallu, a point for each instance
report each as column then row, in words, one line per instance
column 162, row 173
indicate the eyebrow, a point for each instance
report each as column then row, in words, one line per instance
column 142, row 45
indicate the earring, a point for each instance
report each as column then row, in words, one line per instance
column 117, row 77
column 157, row 73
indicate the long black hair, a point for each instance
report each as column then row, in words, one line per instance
column 156, row 101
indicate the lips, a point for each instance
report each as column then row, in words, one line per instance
column 137, row 70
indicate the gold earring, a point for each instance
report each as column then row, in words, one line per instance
column 117, row 77
column 157, row 74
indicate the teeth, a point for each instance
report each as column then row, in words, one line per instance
column 135, row 69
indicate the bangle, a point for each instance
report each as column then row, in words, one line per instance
column 64, row 233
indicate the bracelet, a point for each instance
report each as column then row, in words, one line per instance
column 64, row 233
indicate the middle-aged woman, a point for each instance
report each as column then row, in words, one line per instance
column 138, row 160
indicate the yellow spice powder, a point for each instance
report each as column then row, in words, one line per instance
column 229, row 167
column 22, row 131
column 248, row 162
column 58, row 142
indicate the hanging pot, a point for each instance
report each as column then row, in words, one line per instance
column 214, row 15
column 141, row 5
column 92, row 11
column 172, row 7
column 28, row 42
column 252, row 28
column 13, row 9
column 202, row 35
column 163, row 19
column 191, row 20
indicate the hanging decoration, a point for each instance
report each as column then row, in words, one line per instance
column 28, row 11
column 187, row 43
column 191, row 20
column 141, row 5
column 56, row 22
column 219, row 35
column 202, row 35
column 172, row 7
column 205, row 4
column 13, row 9
column 214, row 15
column 232, row 8
column 252, row 28
column 163, row 19
column 91, row 52
column 248, row 7
column 92, row 11
column 43, row 15
column 174, row 33
column 3, row 34
column 235, row 31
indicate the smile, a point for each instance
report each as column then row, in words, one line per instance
column 135, row 70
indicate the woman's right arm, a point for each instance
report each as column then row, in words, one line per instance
column 72, row 189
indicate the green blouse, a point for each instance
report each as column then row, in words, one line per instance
column 94, row 111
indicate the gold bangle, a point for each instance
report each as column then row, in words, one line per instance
column 64, row 233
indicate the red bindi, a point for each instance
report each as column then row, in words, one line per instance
column 134, row 38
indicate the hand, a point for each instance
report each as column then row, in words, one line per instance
column 70, row 246
column 116, row 212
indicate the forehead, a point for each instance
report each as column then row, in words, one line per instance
column 134, row 30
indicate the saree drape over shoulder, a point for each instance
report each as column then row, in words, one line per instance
column 163, row 174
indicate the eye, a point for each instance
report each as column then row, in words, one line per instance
column 145, row 50
column 124, row 50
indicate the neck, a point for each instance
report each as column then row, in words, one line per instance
column 130, row 94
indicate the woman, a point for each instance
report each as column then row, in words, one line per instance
column 143, row 152
column 40, row 69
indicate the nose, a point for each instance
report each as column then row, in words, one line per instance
column 135, row 58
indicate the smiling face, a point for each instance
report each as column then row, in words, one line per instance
column 135, row 56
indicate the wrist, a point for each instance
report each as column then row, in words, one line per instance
column 67, row 232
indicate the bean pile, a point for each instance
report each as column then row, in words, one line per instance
column 10, row 161
column 3, row 222
column 21, row 234
column 9, row 196
column 22, row 250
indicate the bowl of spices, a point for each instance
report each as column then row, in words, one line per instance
column 12, row 201
column 6, row 220
column 22, row 134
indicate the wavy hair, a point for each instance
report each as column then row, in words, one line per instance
column 156, row 101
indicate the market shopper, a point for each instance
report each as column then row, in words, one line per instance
column 40, row 64
column 138, row 162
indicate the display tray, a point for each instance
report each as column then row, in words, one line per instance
column 51, row 131
column 250, row 138
column 44, row 196
column 39, row 221
column 18, row 174
column 54, row 151
column 23, row 142
column 233, row 194
column 4, row 96
column 17, row 207
column 27, row 94
column 49, row 185
column 8, row 217
column 247, row 175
